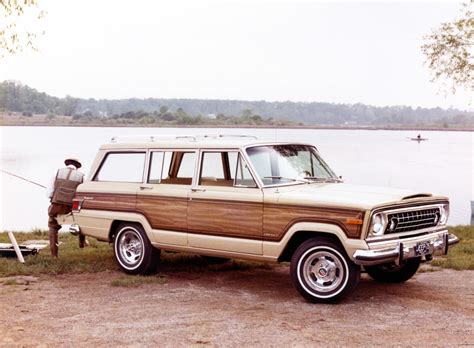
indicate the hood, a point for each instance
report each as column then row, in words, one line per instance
column 346, row 195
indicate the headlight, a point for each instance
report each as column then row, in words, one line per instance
column 443, row 214
column 377, row 225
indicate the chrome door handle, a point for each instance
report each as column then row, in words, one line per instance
column 146, row 188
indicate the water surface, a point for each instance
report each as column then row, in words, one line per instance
column 443, row 164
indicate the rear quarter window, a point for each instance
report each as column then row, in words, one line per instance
column 122, row 167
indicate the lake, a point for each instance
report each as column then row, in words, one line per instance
column 443, row 164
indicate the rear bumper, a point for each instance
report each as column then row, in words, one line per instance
column 399, row 250
column 74, row 229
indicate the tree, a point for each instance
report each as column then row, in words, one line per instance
column 15, row 36
column 247, row 113
column 69, row 106
column 163, row 110
column 181, row 113
column 448, row 50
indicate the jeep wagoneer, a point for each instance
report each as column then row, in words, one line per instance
column 239, row 197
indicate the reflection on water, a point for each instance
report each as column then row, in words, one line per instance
column 443, row 164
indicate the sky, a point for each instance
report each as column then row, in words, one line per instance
column 339, row 52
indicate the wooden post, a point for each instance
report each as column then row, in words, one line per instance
column 472, row 212
column 16, row 247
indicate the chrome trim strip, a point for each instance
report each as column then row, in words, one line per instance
column 404, row 210
column 394, row 236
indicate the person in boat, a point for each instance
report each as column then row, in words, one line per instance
column 61, row 191
column 418, row 137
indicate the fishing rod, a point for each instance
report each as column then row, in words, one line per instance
column 19, row 177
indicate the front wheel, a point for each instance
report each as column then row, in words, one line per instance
column 133, row 250
column 392, row 273
column 322, row 272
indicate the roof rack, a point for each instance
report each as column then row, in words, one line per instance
column 153, row 138
column 229, row 136
column 150, row 138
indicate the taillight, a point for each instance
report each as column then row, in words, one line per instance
column 76, row 206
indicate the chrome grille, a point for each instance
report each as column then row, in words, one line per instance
column 412, row 220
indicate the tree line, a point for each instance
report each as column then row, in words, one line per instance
column 15, row 97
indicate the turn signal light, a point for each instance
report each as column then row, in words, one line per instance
column 351, row 221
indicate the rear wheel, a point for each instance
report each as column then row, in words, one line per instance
column 322, row 272
column 391, row 273
column 133, row 250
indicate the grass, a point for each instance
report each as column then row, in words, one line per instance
column 136, row 281
column 99, row 257
column 95, row 258
column 461, row 256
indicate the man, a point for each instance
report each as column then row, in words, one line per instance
column 61, row 192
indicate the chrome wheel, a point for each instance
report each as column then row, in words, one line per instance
column 131, row 247
column 133, row 250
column 322, row 271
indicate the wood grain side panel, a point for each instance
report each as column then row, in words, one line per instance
column 277, row 219
column 165, row 213
column 226, row 218
column 104, row 201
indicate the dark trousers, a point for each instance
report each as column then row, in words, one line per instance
column 54, row 210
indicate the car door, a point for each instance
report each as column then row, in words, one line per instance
column 225, row 207
column 163, row 196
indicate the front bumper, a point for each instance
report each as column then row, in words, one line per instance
column 398, row 250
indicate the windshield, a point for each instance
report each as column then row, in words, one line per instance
column 283, row 164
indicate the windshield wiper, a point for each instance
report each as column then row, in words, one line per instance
column 323, row 179
column 283, row 178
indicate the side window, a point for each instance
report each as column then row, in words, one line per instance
column 156, row 167
column 262, row 163
column 122, row 167
column 242, row 175
column 212, row 167
column 178, row 167
column 187, row 165
column 232, row 163
column 222, row 169
column 218, row 168
column 166, row 170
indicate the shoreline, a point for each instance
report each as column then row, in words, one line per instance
column 374, row 128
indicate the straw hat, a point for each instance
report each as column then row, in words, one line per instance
column 74, row 161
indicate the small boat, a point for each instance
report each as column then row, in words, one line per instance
column 418, row 138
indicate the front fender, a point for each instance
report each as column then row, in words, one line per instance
column 276, row 249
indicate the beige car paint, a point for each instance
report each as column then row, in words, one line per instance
column 97, row 223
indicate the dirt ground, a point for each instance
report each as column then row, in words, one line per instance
column 255, row 307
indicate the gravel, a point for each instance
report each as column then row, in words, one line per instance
column 234, row 308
